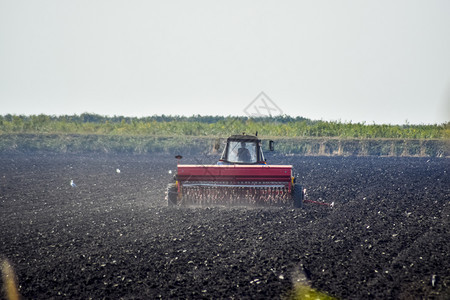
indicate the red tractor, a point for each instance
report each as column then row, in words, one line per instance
column 240, row 178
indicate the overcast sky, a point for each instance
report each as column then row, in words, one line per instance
column 374, row 61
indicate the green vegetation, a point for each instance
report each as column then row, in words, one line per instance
column 102, row 143
column 194, row 145
column 9, row 280
column 282, row 126
column 91, row 132
column 305, row 292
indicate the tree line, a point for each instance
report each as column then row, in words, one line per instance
column 163, row 125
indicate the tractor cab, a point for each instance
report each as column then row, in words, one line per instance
column 243, row 149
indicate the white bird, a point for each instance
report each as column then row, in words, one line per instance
column 72, row 184
column 117, row 171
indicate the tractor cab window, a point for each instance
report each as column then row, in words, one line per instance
column 242, row 152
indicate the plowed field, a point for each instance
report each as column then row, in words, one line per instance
column 113, row 237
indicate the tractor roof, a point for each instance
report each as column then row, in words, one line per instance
column 250, row 138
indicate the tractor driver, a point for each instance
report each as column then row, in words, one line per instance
column 243, row 153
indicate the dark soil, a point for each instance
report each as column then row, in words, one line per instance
column 113, row 236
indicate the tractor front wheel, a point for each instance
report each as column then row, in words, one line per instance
column 298, row 196
column 172, row 194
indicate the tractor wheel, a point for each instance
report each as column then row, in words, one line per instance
column 298, row 196
column 172, row 194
